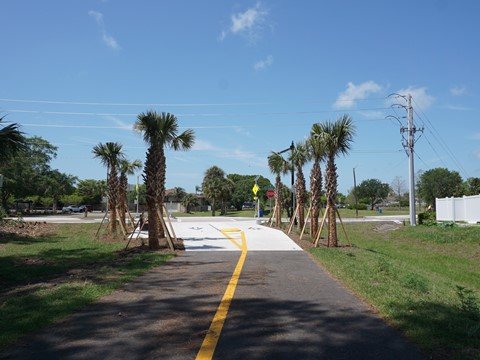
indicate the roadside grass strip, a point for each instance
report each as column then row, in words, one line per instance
column 211, row 339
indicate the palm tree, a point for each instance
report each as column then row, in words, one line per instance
column 317, row 152
column 126, row 168
column 212, row 185
column 11, row 140
column 278, row 166
column 179, row 193
column 188, row 201
column 110, row 155
column 160, row 131
column 337, row 138
column 300, row 157
column 227, row 189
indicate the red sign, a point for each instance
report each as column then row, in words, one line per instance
column 270, row 193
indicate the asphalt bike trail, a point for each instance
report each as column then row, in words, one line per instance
column 283, row 306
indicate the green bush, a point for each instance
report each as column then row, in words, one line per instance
column 360, row 206
column 3, row 214
column 468, row 301
column 427, row 218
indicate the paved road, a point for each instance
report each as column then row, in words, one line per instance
column 285, row 307
column 96, row 217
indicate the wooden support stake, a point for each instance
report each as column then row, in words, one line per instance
column 132, row 220
column 272, row 215
column 292, row 220
column 170, row 223
column 343, row 226
column 122, row 225
column 104, row 216
column 165, row 229
column 319, row 232
column 140, row 228
column 306, row 220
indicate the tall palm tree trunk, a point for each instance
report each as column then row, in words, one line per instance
column 151, row 180
column 213, row 207
column 316, row 194
column 278, row 200
column 112, row 200
column 122, row 191
column 331, row 190
column 161, row 188
column 301, row 197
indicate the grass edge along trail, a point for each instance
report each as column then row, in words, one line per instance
column 425, row 281
column 42, row 268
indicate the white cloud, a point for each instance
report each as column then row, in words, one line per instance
column 97, row 16
column 108, row 39
column 246, row 157
column 456, row 107
column 373, row 114
column 201, row 145
column 458, row 91
column 121, row 124
column 263, row 64
column 237, row 154
column 477, row 153
column 242, row 131
column 248, row 23
column 354, row 93
column 420, row 98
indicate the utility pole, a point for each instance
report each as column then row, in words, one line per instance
column 409, row 145
column 292, row 149
column 355, row 192
column 138, row 191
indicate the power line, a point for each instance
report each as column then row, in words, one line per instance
column 442, row 142
column 131, row 127
column 194, row 114
column 173, row 104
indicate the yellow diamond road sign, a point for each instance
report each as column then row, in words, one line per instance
column 255, row 189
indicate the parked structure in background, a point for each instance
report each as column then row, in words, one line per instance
column 466, row 208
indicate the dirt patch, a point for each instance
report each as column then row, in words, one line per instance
column 386, row 227
column 26, row 229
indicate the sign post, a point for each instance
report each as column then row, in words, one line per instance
column 255, row 191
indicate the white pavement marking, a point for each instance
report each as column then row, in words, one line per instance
column 202, row 236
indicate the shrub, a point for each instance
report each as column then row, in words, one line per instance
column 468, row 301
column 428, row 218
column 360, row 206
column 3, row 214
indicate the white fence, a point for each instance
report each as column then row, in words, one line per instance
column 466, row 208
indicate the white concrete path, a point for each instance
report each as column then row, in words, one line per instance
column 208, row 236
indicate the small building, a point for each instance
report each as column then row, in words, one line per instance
column 174, row 205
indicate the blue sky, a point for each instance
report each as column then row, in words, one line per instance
column 249, row 76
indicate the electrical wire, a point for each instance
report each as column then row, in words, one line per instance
column 289, row 113
column 172, row 104
column 440, row 141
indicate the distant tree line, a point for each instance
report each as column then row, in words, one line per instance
column 430, row 184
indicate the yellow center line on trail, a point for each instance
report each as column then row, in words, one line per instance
column 211, row 339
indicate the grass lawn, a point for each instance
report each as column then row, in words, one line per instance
column 45, row 278
column 423, row 280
